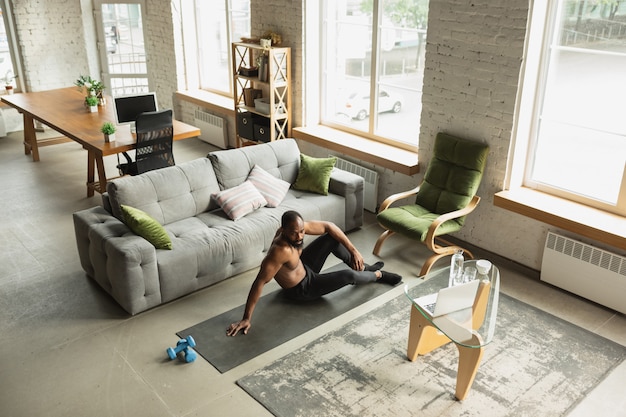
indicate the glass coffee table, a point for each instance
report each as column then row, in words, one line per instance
column 470, row 329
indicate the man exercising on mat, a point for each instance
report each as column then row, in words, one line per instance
column 297, row 270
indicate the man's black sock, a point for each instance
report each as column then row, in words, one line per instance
column 389, row 278
column 378, row 265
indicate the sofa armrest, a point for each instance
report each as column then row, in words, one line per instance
column 349, row 186
column 122, row 263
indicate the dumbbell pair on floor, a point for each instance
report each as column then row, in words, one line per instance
column 183, row 347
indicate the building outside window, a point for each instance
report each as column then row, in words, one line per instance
column 374, row 48
column 572, row 103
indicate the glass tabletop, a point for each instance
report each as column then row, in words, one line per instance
column 471, row 326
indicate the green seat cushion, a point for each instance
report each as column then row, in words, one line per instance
column 413, row 222
column 453, row 175
column 147, row 227
column 314, row 174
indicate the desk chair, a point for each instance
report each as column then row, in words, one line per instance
column 444, row 198
column 155, row 135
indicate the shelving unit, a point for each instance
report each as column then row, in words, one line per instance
column 272, row 81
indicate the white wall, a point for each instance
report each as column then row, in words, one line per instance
column 473, row 60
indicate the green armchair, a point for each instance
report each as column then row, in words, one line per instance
column 445, row 197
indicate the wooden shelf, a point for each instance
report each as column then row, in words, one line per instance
column 276, row 87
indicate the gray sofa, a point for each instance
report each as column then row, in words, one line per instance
column 207, row 247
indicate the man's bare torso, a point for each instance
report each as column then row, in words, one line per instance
column 292, row 271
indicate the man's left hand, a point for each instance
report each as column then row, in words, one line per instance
column 358, row 263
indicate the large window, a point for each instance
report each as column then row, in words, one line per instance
column 576, row 118
column 217, row 24
column 8, row 65
column 122, row 49
column 372, row 67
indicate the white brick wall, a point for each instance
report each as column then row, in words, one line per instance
column 286, row 18
column 52, row 42
column 473, row 60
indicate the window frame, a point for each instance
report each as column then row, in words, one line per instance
column 9, row 24
column 191, row 45
column 103, row 53
column 544, row 26
column 316, row 110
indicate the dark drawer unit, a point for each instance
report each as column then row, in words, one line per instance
column 262, row 131
column 245, row 125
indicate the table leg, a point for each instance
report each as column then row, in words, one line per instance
column 91, row 163
column 423, row 336
column 469, row 361
column 30, row 137
column 102, row 176
column 95, row 162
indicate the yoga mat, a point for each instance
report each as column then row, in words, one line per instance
column 276, row 320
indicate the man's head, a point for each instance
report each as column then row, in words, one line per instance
column 292, row 226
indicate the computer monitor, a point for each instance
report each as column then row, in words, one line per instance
column 127, row 108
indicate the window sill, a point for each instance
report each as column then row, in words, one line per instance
column 208, row 100
column 367, row 150
column 387, row 156
column 577, row 218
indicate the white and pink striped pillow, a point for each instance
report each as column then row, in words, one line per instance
column 271, row 188
column 240, row 200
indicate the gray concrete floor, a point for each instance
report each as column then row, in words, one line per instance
column 68, row 349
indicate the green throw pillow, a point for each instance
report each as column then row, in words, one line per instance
column 314, row 174
column 145, row 226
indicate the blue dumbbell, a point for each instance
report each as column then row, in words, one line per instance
column 184, row 346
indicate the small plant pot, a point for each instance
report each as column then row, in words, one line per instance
column 109, row 138
column 9, row 89
column 93, row 109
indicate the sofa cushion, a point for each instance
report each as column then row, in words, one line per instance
column 271, row 188
column 280, row 158
column 145, row 226
column 314, row 174
column 240, row 200
column 167, row 194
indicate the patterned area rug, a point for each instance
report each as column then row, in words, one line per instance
column 537, row 365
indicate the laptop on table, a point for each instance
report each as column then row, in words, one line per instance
column 450, row 299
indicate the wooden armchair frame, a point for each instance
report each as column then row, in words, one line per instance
column 431, row 241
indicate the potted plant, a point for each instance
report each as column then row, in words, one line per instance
column 8, row 81
column 108, row 129
column 92, row 102
column 92, row 87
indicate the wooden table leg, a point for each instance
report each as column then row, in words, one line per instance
column 102, row 176
column 30, row 137
column 91, row 162
column 469, row 361
column 95, row 162
column 423, row 336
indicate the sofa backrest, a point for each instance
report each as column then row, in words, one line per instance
column 280, row 158
column 167, row 194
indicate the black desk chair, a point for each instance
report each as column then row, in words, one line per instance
column 155, row 134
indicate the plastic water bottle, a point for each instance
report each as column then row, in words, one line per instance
column 456, row 268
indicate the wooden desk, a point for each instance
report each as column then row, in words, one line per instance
column 64, row 111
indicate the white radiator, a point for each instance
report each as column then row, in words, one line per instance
column 370, row 183
column 585, row 270
column 212, row 129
